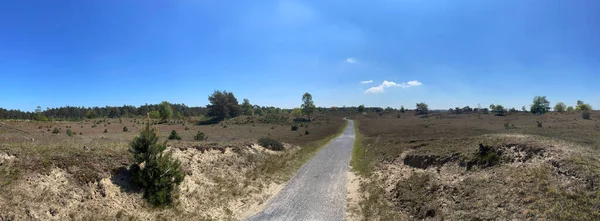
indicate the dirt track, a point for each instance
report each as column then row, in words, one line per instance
column 318, row 190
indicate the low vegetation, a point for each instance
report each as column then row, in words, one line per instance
column 270, row 143
column 470, row 167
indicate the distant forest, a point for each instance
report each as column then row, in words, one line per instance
column 179, row 111
column 78, row 113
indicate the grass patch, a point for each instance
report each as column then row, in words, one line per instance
column 360, row 161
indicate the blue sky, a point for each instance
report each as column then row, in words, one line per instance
column 444, row 53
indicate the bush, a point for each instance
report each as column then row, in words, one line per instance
column 200, row 136
column 270, row 144
column 125, row 129
column 539, row 123
column 69, row 133
column 55, row 131
column 80, row 133
column 187, row 128
column 160, row 174
column 105, row 131
column 306, row 132
column 586, row 115
column 174, row 135
column 294, row 127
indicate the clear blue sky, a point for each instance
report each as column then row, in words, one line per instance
column 445, row 53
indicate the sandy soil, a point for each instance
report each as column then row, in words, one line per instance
column 54, row 196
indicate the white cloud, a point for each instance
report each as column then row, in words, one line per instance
column 366, row 82
column 351, row 60
column 387, row 84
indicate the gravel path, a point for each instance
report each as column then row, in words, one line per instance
column 318, row 190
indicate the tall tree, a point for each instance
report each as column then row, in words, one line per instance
column 422, row 108
column 308, row 106
column 540, row 105
column 247, row 108
column 560, row 107
column 165, row 110
column 223, row 105
column 361, row 108
column 581, row 106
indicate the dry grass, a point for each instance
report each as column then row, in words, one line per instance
column 54, row 176
column 430, row 168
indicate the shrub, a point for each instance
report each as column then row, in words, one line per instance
column 174, row 135
column 585, row 115
column 539, row 123
column 294, row 127
column 200, row 136
column 187, row 128
column 80, row 133
column 105, row 131
column 160, row 174
column 270, row 144
column 306, row 132
column 69, row 133
column 125, row 129
column 55, row 131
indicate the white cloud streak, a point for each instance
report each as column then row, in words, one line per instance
column 351, row 60
column 388, row 84
column 366, row 82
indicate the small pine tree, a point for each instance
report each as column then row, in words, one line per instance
column 105, row 131
column 402, row 109
column 174, row 135
column 200, row 136
column 161, row 173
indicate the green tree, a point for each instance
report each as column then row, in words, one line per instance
column 524, row 109
column 422, row 108
column 161, row 173
column 308, row 106
column 259, row 111
column 165, row 110
column 492, row 107
column 39, row 116
column 570, row 108
column 247, row 108
column 499, row 110
column 361, row 108
column 91, row 114
column 581, row 106
column 402, row 109
column 560, row 107
column 223, row 105
column 154, row 114
column 540, row 105
column 296, row 112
